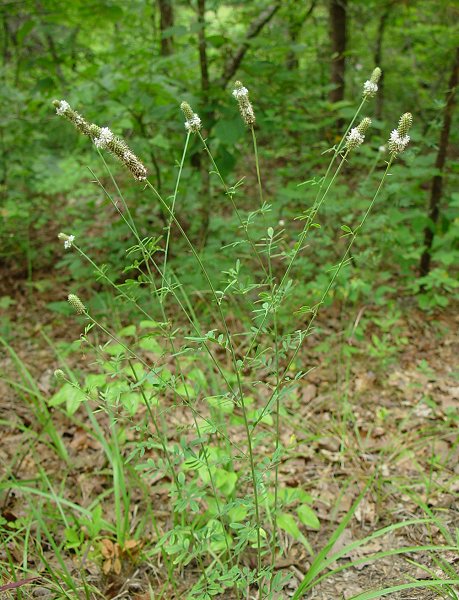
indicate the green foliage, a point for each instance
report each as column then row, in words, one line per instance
column 200, row 286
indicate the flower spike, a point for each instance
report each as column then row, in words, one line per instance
column 241, row 94
column 370, row 87
column 399, row 138
column 357, row 134
column 193, row 122
column 103, row 138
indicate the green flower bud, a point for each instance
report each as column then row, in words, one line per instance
column 59, row 374
column 364, row 125
column 404, row 124
column 399, row 138
column 376, row 75
column 76, row 304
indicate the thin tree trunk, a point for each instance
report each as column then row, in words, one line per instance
column 166, row 20
column 204, row 209
column 437, row 181
column 6, row 36
column 229, row 70
column 294, row 29
column 378, row 59
column 202, row 45
column 338, row 43
column 232, row 64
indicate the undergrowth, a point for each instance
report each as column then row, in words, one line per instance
column 200, row 411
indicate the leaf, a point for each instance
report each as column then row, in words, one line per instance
column 107, row 566
column 117, row 566
column 128, row 331
column 150, row 324
column 229, row 131
column 237, row 513
column 288, row 524
column 406, row 586
column 150, row 344
column 93, row 380
column 308, row 517
column 114, row 349
column 69, row 394
column 24, row 30
column 131, row 402
column 221, row 403
column 130, row 545
column 226, row 481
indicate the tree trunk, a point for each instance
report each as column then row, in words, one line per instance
column 229, row 70
column 295, row 25
column 166, row 20
column 203, row 46
column 232, row 64
column 201, row 160
column 338, row 44
column 437, row 181
column 378, row 59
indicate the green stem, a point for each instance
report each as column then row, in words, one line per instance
column 230, row 194
column 131, row 225
column 257, row 165
column 315, row 208
column 299, row 244
column 174, row 198
column 234, row 361
column 327, row 289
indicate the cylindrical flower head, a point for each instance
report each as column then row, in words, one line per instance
column 370, row 87
column 67, row 239
column 399, row 138
column 405, row 123
column 103, row 138
column 364, row 125
column 241, row 94
column 76, row 304
column 357, row 134
column 64, row 110
column 376, row 75
column 193, row 122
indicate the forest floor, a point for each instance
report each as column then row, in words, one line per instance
column 397, row 421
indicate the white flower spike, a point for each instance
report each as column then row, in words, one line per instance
column 399, row 138
column 67, row 239
column 241, row 94
column 356, row 135
column 370, row 87
column 193, row 123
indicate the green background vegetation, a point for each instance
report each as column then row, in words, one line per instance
column 112, row 62
column 187, row 411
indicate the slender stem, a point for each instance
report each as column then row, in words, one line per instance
column 196, row 425
column 174, row 198
column 327, row 289
column 230, row 194
column 299, row 244
column 269, row 243
column 235, row 365
column 257, row 164
column 147, row 258
column 163, row 381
